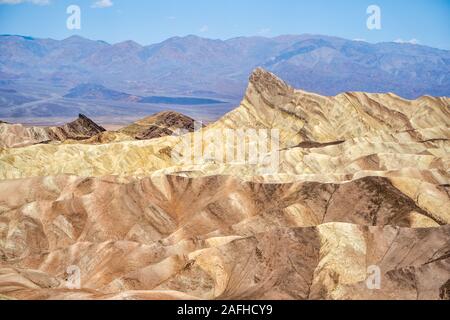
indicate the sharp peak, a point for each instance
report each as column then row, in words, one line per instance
column 260, row 71
column 166, row 113
column 265, row 80
column 78, row 38
column 128, row 43
column 82, row 116
column 86, row 122
column 273, row 87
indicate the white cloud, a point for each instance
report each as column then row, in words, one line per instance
column 172, row 18
column 102, row 4
column 38, row 2
column 412, row 41
column 205, row 28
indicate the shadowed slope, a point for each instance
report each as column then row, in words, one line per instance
column 159, row 125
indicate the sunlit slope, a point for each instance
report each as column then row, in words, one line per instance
column 362, row 180
column 369, row 131
column 17, row 135
column 221, row 237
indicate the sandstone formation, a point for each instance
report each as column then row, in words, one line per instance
column 364, row 132
column 159, row 125
column 17, row 135
column 156, row 126
column 102, row 138
column 362, row 184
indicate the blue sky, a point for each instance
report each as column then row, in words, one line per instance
column 424, row 21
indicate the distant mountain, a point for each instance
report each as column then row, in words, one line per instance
column 179, row 100
column 95, row 91
column 184, row 65
column 10, row 97
column 99, row 92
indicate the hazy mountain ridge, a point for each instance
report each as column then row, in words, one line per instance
column 91, row 91
column 95, row 91
column 10, row 97
column 180, row 65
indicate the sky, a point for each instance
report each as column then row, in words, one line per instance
column 425, row 22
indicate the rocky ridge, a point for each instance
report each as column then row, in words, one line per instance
column 362, row 182
column 17, row 135
column 159, row 125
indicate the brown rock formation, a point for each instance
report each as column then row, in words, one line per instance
column 80, row 129
column 362, row 187
column 159, row 125
column 16, row 135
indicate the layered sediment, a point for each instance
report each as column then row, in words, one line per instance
column 362, row 183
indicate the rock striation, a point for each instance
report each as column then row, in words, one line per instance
column 160, row 125
column 362, row 186
column 17, row 135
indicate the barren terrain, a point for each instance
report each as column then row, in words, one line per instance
column 362, row 181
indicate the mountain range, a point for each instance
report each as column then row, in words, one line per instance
column 90, row 91
column 199, row 67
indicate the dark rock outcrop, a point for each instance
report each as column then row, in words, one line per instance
column 159, row 125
